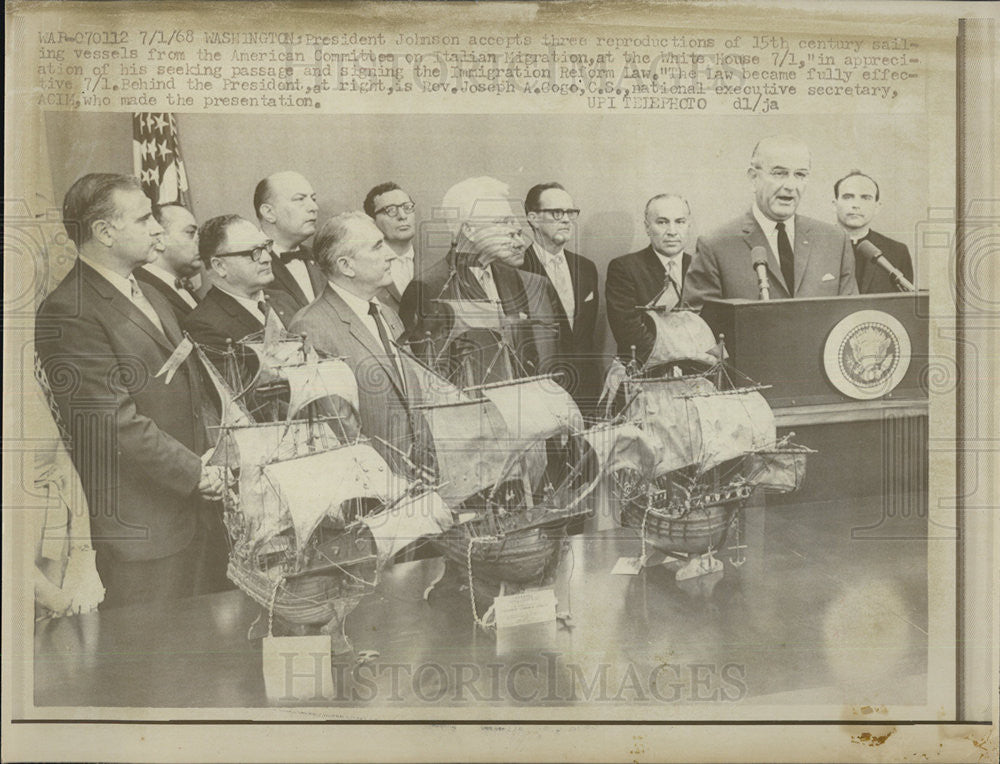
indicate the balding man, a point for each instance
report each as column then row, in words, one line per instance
column 487, row 250
column 655, row 273
column 347, row 320
column 285, row 204
column 805, row 257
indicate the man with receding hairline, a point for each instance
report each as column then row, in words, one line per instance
column 136, row 441
column 285, row 205
column 654, row 273
column 805, row 257
column 171, row 272
column 856, row 201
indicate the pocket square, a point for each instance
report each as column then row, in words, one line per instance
column 828, row 277
column 589, row 297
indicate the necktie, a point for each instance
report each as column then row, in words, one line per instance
column 559, row 273
column 184, row 284
column 140, row 301
column 383, row 336
column 263, row 308
column 786, row 258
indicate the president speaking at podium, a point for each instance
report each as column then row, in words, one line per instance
column 805, row 257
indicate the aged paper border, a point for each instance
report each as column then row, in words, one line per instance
column 151, row 735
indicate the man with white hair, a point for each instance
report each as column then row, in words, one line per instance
column 482, row 267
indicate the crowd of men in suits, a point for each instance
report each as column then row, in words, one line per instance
column 362, row 292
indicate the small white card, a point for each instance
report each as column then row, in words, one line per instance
column 627, row 566
column 531, row 606
column 297, row 669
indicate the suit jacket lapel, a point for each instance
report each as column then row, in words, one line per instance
column 361, row 333
column 755, row 237
column 123, row 305
column 238, row 313
column 287, row 281
column 510, row 290
column 801, row 250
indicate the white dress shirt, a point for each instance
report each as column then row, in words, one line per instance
column 401, row 269
column 485, row 277
column 171, row 281
column 557, row 270
column 300, row 273
column 770, row 228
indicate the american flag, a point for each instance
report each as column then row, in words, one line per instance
column 156, row 155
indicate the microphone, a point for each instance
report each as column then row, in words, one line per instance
column 874, row 255
column 759, row 257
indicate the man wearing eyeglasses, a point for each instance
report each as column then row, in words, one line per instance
column 285, row 205
column 238, row 258
column 805, row 257
column 136, row 441
column 651, row 276
column 481, row 275
column 552, row 217
column 394, row 214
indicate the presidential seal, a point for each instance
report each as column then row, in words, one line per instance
column 867, row 354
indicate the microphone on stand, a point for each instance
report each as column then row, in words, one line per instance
column 874, row 255
column 758, row 256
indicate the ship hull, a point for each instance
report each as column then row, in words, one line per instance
column 518, row 556
column 689, row 530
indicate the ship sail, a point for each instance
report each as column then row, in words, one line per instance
column 623, row 446
column 316, row 380
column 407, row 520
column 233, row 410
column 695, row 424
column 315, row 485
column 534, row 408
column 681, row 335
column 433, row 389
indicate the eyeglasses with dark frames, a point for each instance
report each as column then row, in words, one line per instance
column 254, row 254
column 559, row 214
column 392, row 210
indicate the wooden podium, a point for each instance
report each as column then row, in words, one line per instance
column 870, row 442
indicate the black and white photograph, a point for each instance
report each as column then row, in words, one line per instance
column 500, row 382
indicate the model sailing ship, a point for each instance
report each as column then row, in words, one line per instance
column 695, row 444
column 314, row 510
column 509, row 455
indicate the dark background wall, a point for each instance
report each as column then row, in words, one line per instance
column 611, row 164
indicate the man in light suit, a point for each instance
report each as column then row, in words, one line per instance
column 805, row 257
column 483, row 265
column 347, row 320
column 136, row 441
column 856, row 200
column 394, row 213
column 171, row 272
column 654, row 273
column 552, row 216
column 285, row 205
column 238, row 258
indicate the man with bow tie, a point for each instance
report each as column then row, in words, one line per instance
column 286, row 209
column 552, row 217
column 137, row 442
column 481, row 274
column 394, row 213
column 172, row 271
column 654, row 275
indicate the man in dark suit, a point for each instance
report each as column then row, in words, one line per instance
column 856, row 200
column 348, row 320
column 552, row 216
column 482, row 271
column 394, row 213
column 654, row 275
column 805, row 257
column 174, row 268
column 238, row 258
column 136, row 441
column 285, row 204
